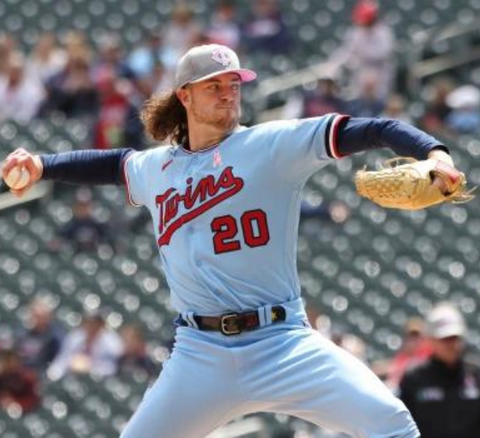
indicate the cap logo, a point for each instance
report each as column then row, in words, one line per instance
column 222, row 57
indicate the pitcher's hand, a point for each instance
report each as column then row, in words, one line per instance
column 23, row 159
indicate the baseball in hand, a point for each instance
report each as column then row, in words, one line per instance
column 17, row 178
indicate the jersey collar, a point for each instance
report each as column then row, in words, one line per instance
column 214, row 146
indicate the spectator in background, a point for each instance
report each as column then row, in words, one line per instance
column 437, row 109
column 159, row 79
column 367, row 103
column 110, row 58
column 84, row 231
column 143, row 59
column 8, row 46
column 264, row 29
column 443, row 394
column 117, row 122
column 39, row 341
column 415, row 349
column 46, row 58
column 75, row 42
column 367, row 51
column 135, row 356
column 395, row 109
column 223, row 27
column 179, row 35
column 90, row 349
column 72, row 91
column 202, row 38
column 21, row 94
column 18, row 384
column 464, row 117
column 324, row 99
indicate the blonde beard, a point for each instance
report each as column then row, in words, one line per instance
column 223, row 123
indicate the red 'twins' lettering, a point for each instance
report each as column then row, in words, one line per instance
column 196, row 200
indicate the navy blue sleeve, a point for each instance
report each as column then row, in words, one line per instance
column 360, row 134
column 86, row 166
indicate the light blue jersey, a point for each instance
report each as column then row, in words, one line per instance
column 226, row 218
column 226, row 224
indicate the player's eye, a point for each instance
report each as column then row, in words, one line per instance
column 236, row 86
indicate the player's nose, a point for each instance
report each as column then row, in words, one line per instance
column 228, row 94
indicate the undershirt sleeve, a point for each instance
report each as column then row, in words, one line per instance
column 360, row 134
column 86, row 166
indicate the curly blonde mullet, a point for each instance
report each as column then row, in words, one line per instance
column 164, row 117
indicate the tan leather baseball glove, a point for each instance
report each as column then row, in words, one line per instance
column 406, row 183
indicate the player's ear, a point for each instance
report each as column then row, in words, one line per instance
column 183, row 96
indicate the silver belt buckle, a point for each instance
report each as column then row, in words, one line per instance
column 223, row 324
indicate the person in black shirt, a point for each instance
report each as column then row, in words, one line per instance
column 39, row 340
column 135, row 357
column 443, row 393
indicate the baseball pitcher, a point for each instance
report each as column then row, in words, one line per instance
column 224, row 201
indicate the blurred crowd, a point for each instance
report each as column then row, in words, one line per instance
column 105, row 84
column 41, row 349
column 432, row 371
column 361, row 78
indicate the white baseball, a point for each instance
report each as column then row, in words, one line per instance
column 17, row 178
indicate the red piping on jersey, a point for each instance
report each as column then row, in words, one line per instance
column 127, row 182
column 333, row 136
column 166, row 164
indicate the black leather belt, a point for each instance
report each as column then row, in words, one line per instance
column 234, row 323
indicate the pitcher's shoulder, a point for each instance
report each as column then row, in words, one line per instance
column 273, row 126
column 156, row 152
column 261, row 129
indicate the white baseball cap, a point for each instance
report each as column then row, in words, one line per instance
column 444, row 321
column 465, row 96
column 207, row 61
